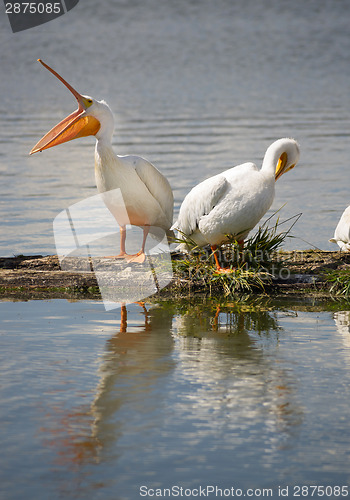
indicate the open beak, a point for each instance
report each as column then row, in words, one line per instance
column 281, row 166
column 77, row 124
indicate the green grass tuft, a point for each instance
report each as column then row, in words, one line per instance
column 340, row 279
column 251, row 267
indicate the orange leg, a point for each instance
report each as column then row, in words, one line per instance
column 123, row 318
column 213, row 249
column 140, row 256
column 240, row 244
column 147, row 323
column 137, row 257
column 217, row 263
column 122, row 254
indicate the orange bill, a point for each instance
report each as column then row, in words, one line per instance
column 77, row 124
column 281, row 165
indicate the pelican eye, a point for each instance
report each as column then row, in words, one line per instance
column 88, row 102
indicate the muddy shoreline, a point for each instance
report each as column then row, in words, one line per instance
column 40, row 277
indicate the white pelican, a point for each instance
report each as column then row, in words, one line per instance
column 342, row 231
column 233, row 202
column 147, row 195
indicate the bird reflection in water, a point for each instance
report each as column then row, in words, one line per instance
column 134, row 358
column 231, row 344
column 218, row 363
column 342, row 321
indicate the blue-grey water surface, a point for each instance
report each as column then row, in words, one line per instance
column 196, row 87
column 244, row 395
column 187, row 394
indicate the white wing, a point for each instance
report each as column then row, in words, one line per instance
column 155, row 182
column 342, row 231
column 199, row 202
column 239, row 174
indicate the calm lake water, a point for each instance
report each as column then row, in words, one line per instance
column 190, row 394
column 196, row 87
column 245, row 395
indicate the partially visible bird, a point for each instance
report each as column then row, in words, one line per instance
column 146, row 193
column 342, row 232
column 233, row 202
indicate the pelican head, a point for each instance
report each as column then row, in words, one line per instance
column 91, row 118
column 288, row 153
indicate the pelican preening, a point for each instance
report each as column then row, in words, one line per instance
column 147, row 195
column 342, row 232
column 233, row 202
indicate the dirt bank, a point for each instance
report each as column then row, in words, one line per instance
column 37, row 276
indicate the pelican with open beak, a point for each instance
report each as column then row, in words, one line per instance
column 146, row 193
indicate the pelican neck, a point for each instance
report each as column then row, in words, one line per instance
column 271, row 158
column 103, row 144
